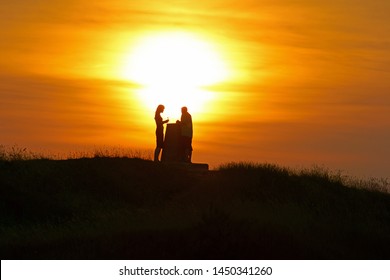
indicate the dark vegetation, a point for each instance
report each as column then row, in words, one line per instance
column 128, row 208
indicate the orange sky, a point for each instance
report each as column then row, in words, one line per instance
column 310, row 80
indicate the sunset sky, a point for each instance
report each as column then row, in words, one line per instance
column 295, row 83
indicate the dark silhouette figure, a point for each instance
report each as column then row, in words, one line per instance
column 159, row 131
column 186, row 134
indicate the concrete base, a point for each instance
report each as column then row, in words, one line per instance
column 189, row 166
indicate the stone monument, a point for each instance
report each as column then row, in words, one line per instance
column 172, row 151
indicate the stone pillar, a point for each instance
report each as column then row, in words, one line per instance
column 172, row 150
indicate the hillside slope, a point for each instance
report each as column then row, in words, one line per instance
column 121, row 208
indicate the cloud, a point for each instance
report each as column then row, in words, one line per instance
column 45, row 109
column 313, row 76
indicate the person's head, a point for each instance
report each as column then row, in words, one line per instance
column 160, row 109
column 184, row 110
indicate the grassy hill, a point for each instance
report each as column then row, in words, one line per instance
column 124, row 208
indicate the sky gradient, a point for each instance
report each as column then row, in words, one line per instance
column 310, row 82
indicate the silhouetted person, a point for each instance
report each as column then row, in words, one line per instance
column 159, row 131
column 186, row 134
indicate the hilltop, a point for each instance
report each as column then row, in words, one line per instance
column 129, row 208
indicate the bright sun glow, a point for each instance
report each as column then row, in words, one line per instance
column 172, row 68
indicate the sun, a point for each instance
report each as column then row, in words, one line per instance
column 173, row 69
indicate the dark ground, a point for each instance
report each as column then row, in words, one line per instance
column 121, row 208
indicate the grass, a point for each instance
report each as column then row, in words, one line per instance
column 118, row 207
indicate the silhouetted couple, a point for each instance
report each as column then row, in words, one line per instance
column 186, row 132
